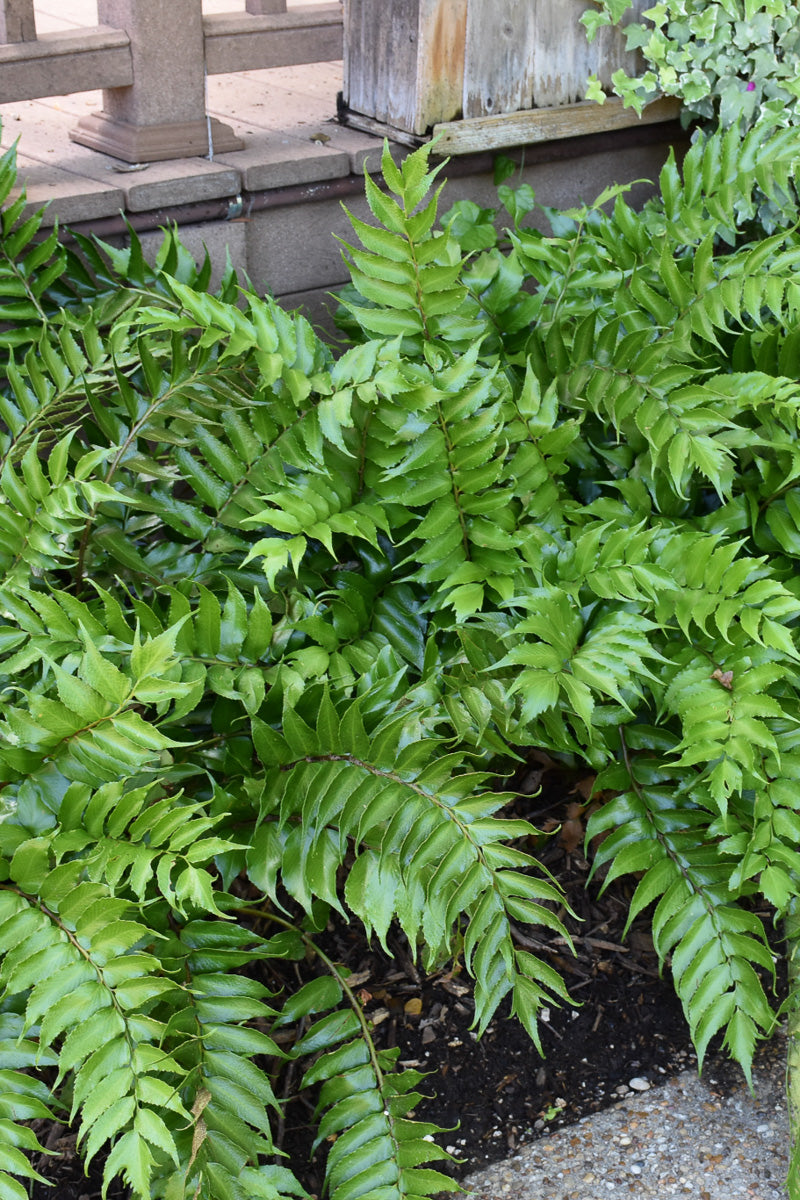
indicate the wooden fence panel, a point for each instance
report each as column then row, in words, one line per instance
column 404, row 61
column 411, row 65
column 380, row 60
column 440, row 61
column 564, row 58
column 499, row 56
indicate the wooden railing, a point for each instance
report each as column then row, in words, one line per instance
column 151, row 57
column 479, row 73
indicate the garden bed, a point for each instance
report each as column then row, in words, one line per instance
column 494, row 1094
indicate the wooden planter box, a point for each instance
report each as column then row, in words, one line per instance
column 483, row 73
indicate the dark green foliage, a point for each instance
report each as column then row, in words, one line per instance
column 270, row 622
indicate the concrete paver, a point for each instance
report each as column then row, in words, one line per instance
column 689, row 1138
column 273, row 162
column 68, row 199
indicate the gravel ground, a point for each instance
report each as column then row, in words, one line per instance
column 709, row 1139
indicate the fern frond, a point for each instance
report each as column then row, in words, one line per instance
column 712, row 944
column 409, row 274
column 728, row 716
column 70, row 948
column 28, row 267
column 230, row 1135
column 576, row 658
column 365, row 1102
column 430, row 848
column 23, row 1098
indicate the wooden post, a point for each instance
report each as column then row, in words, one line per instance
column 17, row 21
column 403, row 63
column 265, row 6
column 413, row 64
column 163, row 114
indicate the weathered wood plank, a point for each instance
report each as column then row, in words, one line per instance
column 380, row 59
column 499, row 56
column 248, row 42
column 440, row 61
column 564, row 58
column 404, row 61
column 17, row 21
column 545, row 125
column 57, row 64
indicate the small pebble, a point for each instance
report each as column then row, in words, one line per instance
column 637, row 1084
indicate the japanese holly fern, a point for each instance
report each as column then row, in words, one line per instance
column 273, row 622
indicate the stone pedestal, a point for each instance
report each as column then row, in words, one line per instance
column 265, row 6
column 17, row 21
column 162, row 115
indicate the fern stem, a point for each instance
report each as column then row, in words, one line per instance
column 791, row 929
column 334, row 970
column 454, row 482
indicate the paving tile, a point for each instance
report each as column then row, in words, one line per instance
column 65, row 14
column 176, row 181
column 45, row 138
column 364, row 149
column 275, row 160
column 68, row 197
column 259, row 101
column 43, row 129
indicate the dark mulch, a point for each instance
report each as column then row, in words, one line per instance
column 497, row 1092
column 64, row 1169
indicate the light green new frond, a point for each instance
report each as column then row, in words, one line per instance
column 440, row 441
column 574, row 659
column 287, row 353
column 314, row 510
column 41, row 511
column 542, row 442
column 728, row 717
column 760, row 832
column 142, row 841
column 86, row 708
column 723, row 591
column 408, row 276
